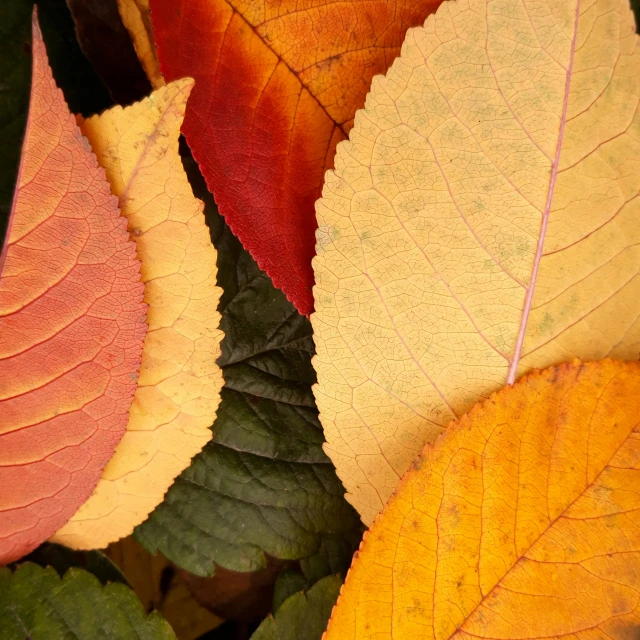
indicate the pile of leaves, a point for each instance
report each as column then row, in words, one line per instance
column 273, row 273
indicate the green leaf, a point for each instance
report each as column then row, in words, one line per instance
column 264, row 484
column 302, row 615
column 62, row 559
column 289, row 581
column 38, row 604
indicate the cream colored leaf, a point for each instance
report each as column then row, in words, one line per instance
column 483, row 219
column 179, row 387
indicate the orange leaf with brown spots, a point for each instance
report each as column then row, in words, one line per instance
column 521, row 521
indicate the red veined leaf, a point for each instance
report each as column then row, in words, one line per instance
column 277, row 86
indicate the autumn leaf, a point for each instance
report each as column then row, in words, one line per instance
column 71, row 324
column 136, row 17
column 520, row 521
column 38, row 604
column 277, row 86
column 179, row 387
column 483, row 220
column 262, row 485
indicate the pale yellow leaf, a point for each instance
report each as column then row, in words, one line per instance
column 179, row 387
column 483, row 219
column 136, row 18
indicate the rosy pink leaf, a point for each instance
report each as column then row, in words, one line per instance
column 71, row 324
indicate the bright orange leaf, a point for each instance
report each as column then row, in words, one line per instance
column 482, row 220
column 521, row 521
column 72, row 324
column 179, row 387
column 277, row 86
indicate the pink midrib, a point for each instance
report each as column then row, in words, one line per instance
column 517, row 354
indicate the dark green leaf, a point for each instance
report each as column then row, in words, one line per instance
column 62, row 558
column 264, row 484
column 15, row 81
column 37, row 604
column 107, row 45
column 303, row 615
column 289, row 581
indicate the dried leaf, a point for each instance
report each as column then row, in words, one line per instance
column 71, row 324
column 179, row 387
column 136, row 17
column 482, row 220
column 521, row 521
column 277, row 86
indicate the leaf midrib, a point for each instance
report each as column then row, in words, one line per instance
column 526, row 310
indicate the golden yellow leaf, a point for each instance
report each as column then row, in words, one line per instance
column 136, row 18
column 521, row 521
column 179, row 386
column 482, row 220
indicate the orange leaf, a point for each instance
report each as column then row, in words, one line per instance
column 521, row 521
column 277, row 86
column 71, row 324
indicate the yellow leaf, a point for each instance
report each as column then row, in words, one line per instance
column 179, row 386
column 482, row 220
column 521, row 521
column 136, row 18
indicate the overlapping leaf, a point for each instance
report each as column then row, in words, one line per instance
column 71, row 324
column 277, row 86
column 302, row 615
column 263, row 485
column 482, row 220
column 520, row 521
column 179, row 387
column 38, row 604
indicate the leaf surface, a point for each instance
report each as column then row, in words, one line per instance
column 38, row 604
column 483, row 220
column 302, row 615
column 179, row 387
column 521, row 521
column 71, row 324
column 263, row 484
column 277, row 86
column 136, row 17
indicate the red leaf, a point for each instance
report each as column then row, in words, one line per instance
column 277, row 87
column 71, row 324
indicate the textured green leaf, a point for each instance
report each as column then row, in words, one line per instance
column 303, row 615
column 62, row 559
column 264, row 484
column 37, row 604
